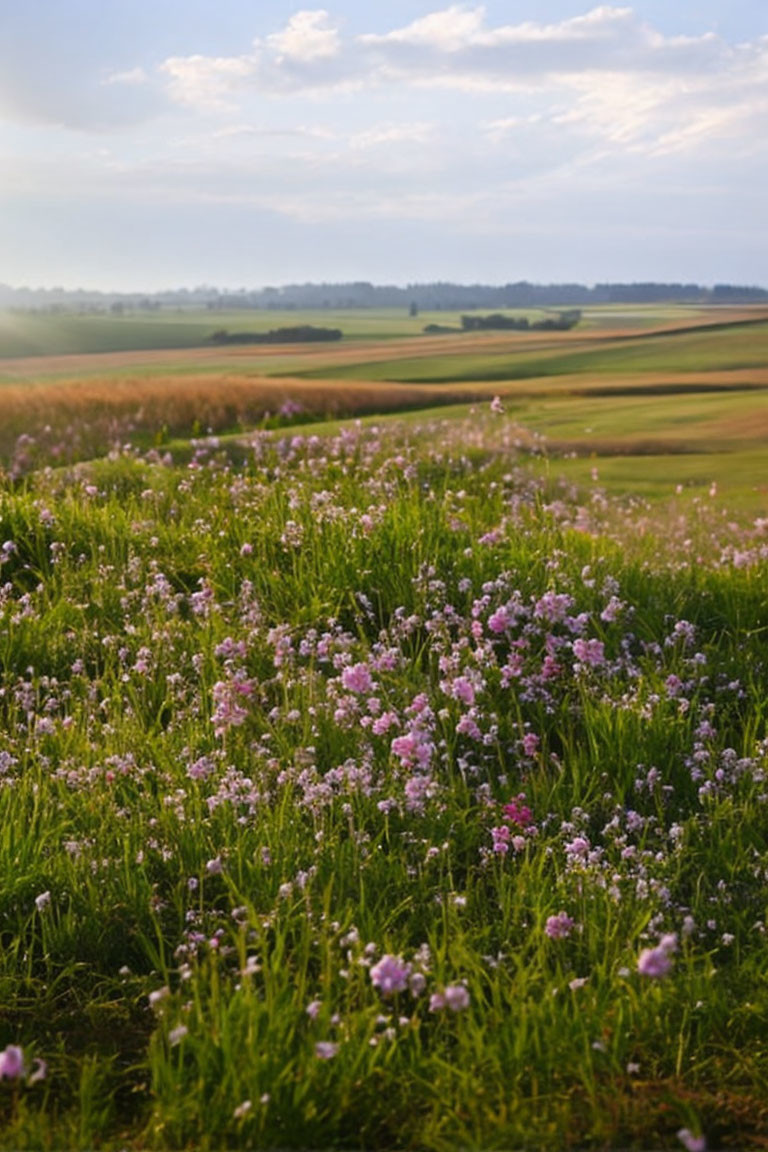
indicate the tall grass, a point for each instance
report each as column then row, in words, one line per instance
column 376, row 703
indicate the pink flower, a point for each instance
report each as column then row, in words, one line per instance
column 500, row 620
column 501, row 836
column 578, row 847
column 390, row 975
column 462, row 690
column 517, row 812
column 559, row 927
column 383, row 723
column 531, row 744
column 11, row 1063
column 413, row 748
column 590, row 652
column 357, row 678
column 326, row 1050
column 497, row 407
column 455, row 997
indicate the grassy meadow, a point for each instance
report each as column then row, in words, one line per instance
column 383, row 745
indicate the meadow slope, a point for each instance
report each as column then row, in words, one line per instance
column 384, row 764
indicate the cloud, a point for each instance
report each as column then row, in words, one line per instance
column 131, row 76
column 454, row 47
column 307, row 36
column 605, row 73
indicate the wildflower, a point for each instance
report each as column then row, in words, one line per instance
column 496, row 406
column 501, row 836
column 326, row 1049
column 530, row 744
column 357, row 678
column 559, row 927
column 42, row 901
column 657, row 962
column 462, row 689
column 690, row 1142
column 242, row 1109
column 456, row 997
column 517, row 812
column 500, row 620
column 312, row 1009
column 176, row 1035
column 12, row 1063
column 591, row 652
column 417, row 982
column 578, row 847
column 390, row 975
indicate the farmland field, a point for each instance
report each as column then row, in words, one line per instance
column 383, row 749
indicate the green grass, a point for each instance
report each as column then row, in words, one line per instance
column 184, row 771
column 726, row 349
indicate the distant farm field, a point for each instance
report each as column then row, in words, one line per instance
column 626, row 384
column 37, row 334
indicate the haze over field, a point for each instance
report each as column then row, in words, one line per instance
column 154, row 144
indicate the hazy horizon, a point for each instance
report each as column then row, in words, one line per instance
column 149, row 147
column 232, row 289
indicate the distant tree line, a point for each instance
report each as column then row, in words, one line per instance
column 300, row 334
column 559, row 323
column 436, row 296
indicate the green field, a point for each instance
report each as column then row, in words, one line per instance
column 32, row 334
column 736, row 348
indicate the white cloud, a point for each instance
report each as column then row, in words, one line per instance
column 604, row 74
column 448, row 31
column 307, row 36
column 206, row 81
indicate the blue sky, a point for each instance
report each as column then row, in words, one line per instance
column 241, row 144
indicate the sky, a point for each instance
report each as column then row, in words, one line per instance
column 243, row 143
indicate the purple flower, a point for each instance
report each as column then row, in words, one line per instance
column 390, row 975
column 326, row 1049
column 501, row 837
column 657, row 962
column 11, row 1063
column 590, row 652
column 456, row 997
column 500, row 620
column 559, row 927
column 690, row 1142
column 530, row 744
column 578, row 847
